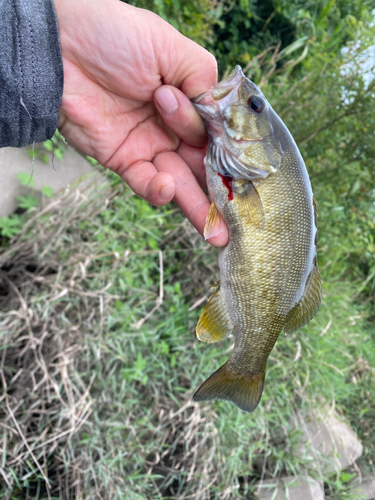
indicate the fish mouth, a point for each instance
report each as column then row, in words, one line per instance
column 205, row 105
column 230, row 83
column 212, row 103
column 219, row 90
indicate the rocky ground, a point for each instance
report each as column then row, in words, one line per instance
column 67, row 170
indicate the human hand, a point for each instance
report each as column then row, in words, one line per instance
column 123, row 68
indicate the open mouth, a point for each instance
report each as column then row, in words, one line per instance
column 211, row 104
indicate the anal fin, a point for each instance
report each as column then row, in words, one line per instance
column 309, row 304
column 214, row 324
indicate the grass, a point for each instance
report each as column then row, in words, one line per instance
column 100, row 297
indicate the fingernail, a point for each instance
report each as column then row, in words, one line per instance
column 166, row 192
column 167, row 101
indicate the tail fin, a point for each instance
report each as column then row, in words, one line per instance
column 244, row 391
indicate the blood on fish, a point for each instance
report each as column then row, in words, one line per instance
column 227, row 181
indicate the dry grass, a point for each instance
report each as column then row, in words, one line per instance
column 44, row 400
column 100, row 296
column 48, row 310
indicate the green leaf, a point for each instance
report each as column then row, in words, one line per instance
column 173, row 360
column 153, row 244
column 26, row 179
column 59, row 154
column 47, row 191
column 48, row 145
column 32, row 153
column 164, row 347
column 28, row 201
column 91, row 160
column 119, row 305
column 346, row 477
column 10, row 226
column 140, row 363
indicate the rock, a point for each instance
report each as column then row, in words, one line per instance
column 13, row 161
column 364, row 488
column 292, row 488
column 330, row 438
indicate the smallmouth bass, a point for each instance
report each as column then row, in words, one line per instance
column 269, row 277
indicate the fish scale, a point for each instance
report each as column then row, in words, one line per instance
column 269, row 279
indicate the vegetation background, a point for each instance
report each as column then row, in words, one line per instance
column 101, row 293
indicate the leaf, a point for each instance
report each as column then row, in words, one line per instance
column 153, row 244
column 140, row 363
column 301, row 42
column 10, row 226
column 47, row 191
column 59, row 154
column 346, row 477
column 91, row 160
column 48, row 145
column 28, row 201
column 164, row 347
column 26, row 179
column 174, row 360
column 33, row 154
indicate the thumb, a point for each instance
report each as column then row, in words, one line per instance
column 188, row 66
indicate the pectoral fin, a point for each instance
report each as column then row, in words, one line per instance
column 309, row 304
column 249, row 202
column 214, row 324
column 214, row 223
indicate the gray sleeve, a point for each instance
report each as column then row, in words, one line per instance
column 31, row 71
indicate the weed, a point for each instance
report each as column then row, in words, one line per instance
column 99, row 362
column 11, row 225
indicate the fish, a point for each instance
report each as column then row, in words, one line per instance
column 269, row 277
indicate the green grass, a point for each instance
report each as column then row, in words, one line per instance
column 104, row 399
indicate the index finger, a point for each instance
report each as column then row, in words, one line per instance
column 188, row 194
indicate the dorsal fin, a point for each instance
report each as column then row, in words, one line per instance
column 214, row 324
column 309, row 304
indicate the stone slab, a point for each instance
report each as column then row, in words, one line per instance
column 364, row 489
column 291, row 488
column 69, row 169
column 333, row 442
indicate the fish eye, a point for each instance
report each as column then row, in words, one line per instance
column 256, row 103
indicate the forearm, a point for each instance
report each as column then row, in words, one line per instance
column 31, row 72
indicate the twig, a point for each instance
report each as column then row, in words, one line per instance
column 298, row 355
column 333, row 367
column 326, row 328
column 263, row 466
column 198, row 303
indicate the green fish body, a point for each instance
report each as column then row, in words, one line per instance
column 269, row 278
